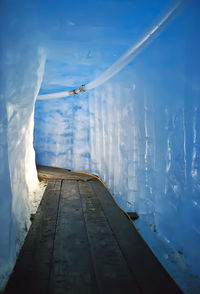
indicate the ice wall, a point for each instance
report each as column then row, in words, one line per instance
column 140, row 133
column 21, row 73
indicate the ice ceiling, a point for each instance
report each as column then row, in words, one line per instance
column 93, row 35
column 139, row 131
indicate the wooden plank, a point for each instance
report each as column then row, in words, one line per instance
column 31, row 273
column 93, row 249
column 46, row 172
column 112, row 272
column 72, row 269
column 146, row 268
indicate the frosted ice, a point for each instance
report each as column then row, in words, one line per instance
column 22, row 66
column 139, row 132
column 163, row 20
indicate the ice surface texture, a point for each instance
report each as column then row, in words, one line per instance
column 140, row 133
column 162, row 21
column 21, row 73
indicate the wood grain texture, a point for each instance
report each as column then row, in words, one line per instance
column 112, row 272
column 72, row 268
column 81, row 242
column 32, row 270
column 145, row 267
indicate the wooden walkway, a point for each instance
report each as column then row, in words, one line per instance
column 80, row 242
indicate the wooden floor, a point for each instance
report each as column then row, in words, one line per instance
column 80, row 242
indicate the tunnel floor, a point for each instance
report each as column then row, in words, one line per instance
column 81, row 242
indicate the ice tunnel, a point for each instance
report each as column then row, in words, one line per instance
column 137, row 127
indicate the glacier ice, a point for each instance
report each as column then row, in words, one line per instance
column 21, row 71
column 163, row 20
column 139, row 131
column 20, row 189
